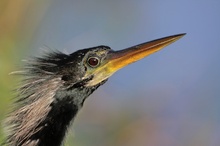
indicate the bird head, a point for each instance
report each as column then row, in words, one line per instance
column 91, row 67
column 97, row 64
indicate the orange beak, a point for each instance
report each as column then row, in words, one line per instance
column 120, row 59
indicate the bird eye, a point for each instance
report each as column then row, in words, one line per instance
column 93, row 61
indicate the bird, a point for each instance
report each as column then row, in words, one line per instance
column 55, row 86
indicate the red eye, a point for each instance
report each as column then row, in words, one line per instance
column 93, row 61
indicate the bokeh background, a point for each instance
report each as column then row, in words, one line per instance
column 171, row 98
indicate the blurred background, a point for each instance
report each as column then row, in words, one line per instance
column 171, row 98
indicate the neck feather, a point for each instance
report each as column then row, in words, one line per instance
column 44, row 119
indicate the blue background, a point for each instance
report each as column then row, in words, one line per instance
column 170, row 98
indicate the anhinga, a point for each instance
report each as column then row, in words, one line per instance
column 56, row 85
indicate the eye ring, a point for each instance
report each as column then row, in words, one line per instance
column 93, row 61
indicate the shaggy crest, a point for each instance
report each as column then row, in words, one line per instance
column 35, row 96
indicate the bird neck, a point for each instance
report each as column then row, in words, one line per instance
column 66, row 105
column 47, row 123
column 64, row 108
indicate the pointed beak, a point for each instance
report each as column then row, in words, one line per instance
column 120, row 59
